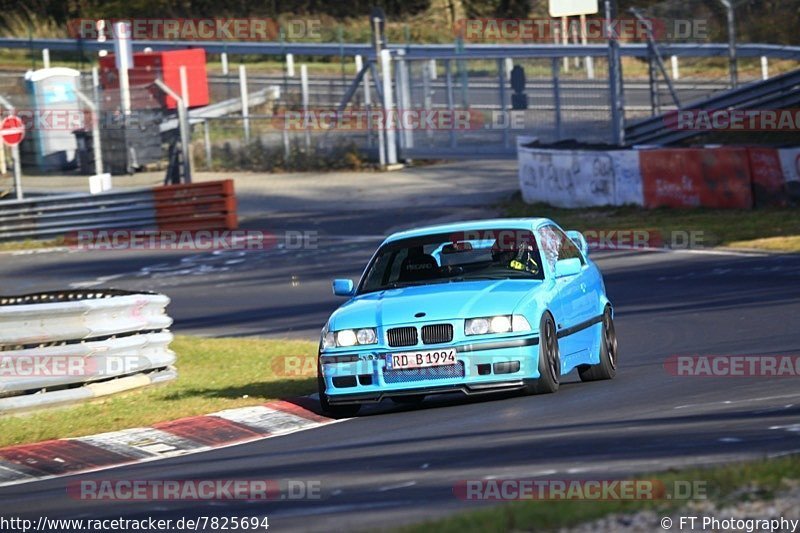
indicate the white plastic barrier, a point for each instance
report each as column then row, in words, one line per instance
column 627, row 177
column 579, row 178
column 790, row 163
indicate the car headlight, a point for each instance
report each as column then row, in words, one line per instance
column 366, row 336
column 349, row 337
column 520, row 323
column 328, row 339
column 496, row 324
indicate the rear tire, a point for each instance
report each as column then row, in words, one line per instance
column 335, row 411
column 549, row 359
column 607, row 367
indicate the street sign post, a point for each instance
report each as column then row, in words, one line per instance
column 12, row 130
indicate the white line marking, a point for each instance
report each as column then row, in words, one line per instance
column 397, row 486
column 523, row 474
column 783, row 454
column 791, row 427
column 743, row 400
column 13, row 475
column 311, row 511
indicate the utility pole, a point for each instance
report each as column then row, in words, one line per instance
column 731, row 42
column 616, row 95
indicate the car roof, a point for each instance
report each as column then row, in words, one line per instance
column 472, row 225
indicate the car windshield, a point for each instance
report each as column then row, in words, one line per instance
column 454, row 257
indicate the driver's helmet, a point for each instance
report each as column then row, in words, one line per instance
column 522, row 256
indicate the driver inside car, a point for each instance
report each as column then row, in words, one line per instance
column 521, row 257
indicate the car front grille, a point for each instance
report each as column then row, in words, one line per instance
column 424, row 374
column 437, row 333
column 406, row 336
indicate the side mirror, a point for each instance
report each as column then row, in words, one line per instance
column 343, row 287
column 568, row 267
column 579, row 240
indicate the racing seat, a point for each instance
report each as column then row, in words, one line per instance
column 418, row 267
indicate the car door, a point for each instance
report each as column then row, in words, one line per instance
column 575, row 303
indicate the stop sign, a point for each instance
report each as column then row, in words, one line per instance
column 13, row 130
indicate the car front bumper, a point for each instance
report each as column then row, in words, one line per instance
column 493, row 365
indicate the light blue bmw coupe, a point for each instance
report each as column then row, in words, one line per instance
column 472, row 307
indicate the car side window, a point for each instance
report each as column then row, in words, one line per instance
column 549, row 245
column 566, row 249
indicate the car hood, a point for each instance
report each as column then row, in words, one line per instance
column 442, row 301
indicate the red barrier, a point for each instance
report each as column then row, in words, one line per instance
column 695, row 177
column 769, row 187
column 196, row 206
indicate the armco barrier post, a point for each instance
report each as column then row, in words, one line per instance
column 245, row 104
column 388, row 108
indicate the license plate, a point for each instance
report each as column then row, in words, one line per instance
column 405, row 360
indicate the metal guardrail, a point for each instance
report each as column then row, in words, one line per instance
column 415, row 51
column 782, row 91
column 220, row 109
column 58, row 215
column 62, row 347
column 204, row 205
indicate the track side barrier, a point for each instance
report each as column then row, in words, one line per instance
column 716, row 177
column 766, row 174
column 195, row 206
column 695, row 177
column 578, row 178
column 790, row 163
column 64, row 347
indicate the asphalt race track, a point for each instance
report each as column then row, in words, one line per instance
column 395, row 465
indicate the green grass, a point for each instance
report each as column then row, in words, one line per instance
column 213, row 374
column 770, row 228
column 30, row 244
column 723, row 484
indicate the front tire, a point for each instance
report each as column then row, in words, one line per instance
column 335, row 411
column 607, row 367
column 549, row 359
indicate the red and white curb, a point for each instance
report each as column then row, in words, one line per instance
column 62, row 457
